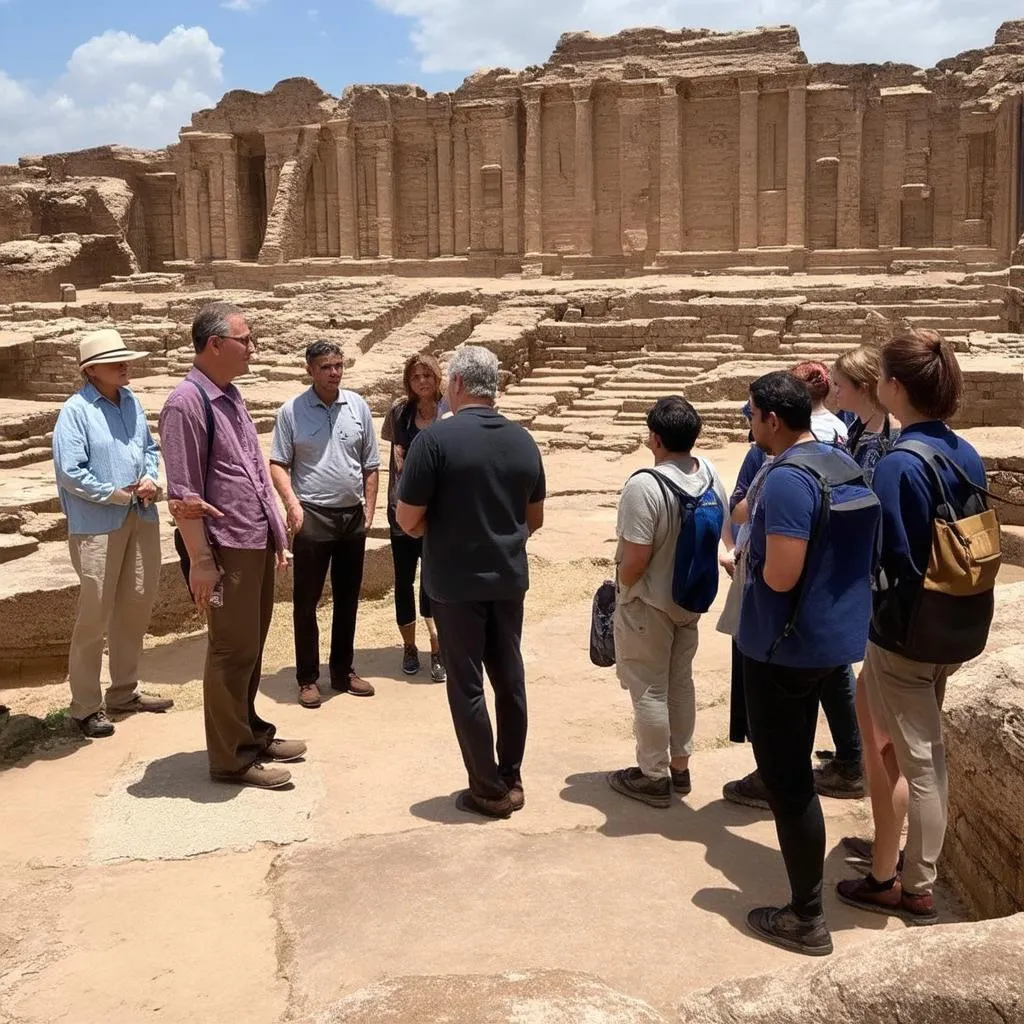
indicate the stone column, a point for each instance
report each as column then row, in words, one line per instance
column 462, row 190
column 510, row 182
column 192, row 243
column 848, row 199
column 232, row 240
column 796, row 167
column 319, row 241
column 385, row 196
column 671, row 198
column 894, row 159
column 534, row 190
column 749, row 97
column 347, row 209
column 476, row 188
column 584, row 168
column 445, row 212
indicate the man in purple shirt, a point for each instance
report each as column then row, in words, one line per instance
column 212, row 454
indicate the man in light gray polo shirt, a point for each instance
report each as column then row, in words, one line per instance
column 326, row 468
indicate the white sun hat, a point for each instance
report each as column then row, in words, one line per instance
column 105, row 346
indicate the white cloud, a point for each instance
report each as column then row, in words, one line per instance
column 116, row 88
column 460, row 35
column 243, row 5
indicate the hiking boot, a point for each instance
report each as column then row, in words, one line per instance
column 839, row 780
column 782, row 927
column 437, row 669
column 472, row 804
column 285, row 750
column 888, row 898
column 95, row 725
column 749, row 791
column 144, row 702
column 633, row 783
column 681, row 780
column 411, row 660
column 256, row 775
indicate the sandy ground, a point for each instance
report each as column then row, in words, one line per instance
column 134, row 889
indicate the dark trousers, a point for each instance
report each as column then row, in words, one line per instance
column 405, row 553
column 235, row 735
column 475, row 635
column 335, row 539
column 838, row 693
column 782, row 714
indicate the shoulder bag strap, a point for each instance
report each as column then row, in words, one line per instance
column 208, row 410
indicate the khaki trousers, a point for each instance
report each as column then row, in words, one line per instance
column 906, row 698
column 654, row 660
column 235, row 735
column 119, row 574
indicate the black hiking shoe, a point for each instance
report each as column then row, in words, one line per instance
column 633, row 783
column 839, row 780
column 95, row 725
column 681, row 780
column 748, row 791
column 782, row 927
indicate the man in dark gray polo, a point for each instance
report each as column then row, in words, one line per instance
column 326, row 468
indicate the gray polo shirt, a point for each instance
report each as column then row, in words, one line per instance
column 327, row 448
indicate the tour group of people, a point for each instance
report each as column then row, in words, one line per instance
column 825, row 538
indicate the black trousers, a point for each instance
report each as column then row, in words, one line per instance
column 782, row 715
column 475, row 635
column 335, row 539
column 405, row 553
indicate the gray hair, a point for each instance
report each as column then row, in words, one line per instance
column 478, row 368
column 212, row 322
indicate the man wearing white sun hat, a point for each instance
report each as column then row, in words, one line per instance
column 106, row 463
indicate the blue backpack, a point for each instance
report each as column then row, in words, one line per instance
column 695, row 575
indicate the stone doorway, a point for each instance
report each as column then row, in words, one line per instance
column 824, row 203
column 916, row 223
column 252, row 194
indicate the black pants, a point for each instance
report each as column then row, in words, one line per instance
column 405, row 553
column 837, row 701
column 475, row 635
column 335, row 539
column 782, row 714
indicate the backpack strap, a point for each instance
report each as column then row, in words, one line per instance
column 208, row 410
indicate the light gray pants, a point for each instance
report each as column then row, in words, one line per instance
column 654, row 658
column 119, row 573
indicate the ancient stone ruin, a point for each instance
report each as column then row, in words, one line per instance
column 651, row 213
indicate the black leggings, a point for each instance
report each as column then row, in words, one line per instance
column 405, row 553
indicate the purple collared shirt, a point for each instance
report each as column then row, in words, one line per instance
column 236, row 481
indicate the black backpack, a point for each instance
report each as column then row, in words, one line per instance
column 829, row 470
column 602, row 626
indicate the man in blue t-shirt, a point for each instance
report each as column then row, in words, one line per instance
column 804, row 616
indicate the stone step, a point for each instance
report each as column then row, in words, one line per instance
column 25, row 457
column 811, row 337
column 16, row 545
column 991, row 324
column 819, row 348
column 45, row 526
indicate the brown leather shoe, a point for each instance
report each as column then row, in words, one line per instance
column 256, row 775
column 285, row 750
column 143, row 702
column 309, row 695
column 359, row 687
column 473, row 804
column 516, row 796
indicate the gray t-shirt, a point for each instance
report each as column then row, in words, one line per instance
column 645, row 517
column 327, row 448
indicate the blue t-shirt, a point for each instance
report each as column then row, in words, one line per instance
column 904, row 486
column 752, row 462
column 832, row 627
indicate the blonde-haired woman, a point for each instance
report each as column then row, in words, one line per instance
column 856, row 374
column 417, row 409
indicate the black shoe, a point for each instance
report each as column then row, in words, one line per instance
column 782, row 927
column 839, row 781
column 633, row 783
column 411, row 660
column 681, row 780
column 96, row 725
column 749, row 791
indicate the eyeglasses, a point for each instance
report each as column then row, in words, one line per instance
column 246, row 341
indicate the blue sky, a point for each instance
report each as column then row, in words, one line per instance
column 75, row 73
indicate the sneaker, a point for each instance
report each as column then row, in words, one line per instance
column 285, row 750
column 889, row 898
column 749, row 791
column 437, row 669
column 144, row 702
column 95, row 725
column 782, row 927
column 411, row 660
column 633, row 783
column 681, row 780
column 472, row 804
column 257, row 775
column 839, row 781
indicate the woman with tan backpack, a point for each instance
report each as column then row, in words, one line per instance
column 932, row 611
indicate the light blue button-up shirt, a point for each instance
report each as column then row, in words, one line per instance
column 327, row 449
column 100, row 447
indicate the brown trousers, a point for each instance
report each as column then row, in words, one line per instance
column 235, row 735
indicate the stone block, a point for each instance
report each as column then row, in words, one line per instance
column 68, row 293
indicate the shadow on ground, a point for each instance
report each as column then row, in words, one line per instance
column 184, row 776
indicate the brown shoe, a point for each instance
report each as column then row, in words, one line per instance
column 143, row 702
column 472, row 804
column 285, row 750
column 516, row 796
column 309, row 695
column 359, row 687
column 256, row 775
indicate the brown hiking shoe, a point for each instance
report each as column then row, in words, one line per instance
column 633, row 783
column 143, row 702
column 285, row 750
column 257, row 775
column 870, row 894
column 919, row 908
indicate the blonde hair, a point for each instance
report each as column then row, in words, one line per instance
column 862, row 367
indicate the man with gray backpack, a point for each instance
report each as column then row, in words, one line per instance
column 670, row 520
